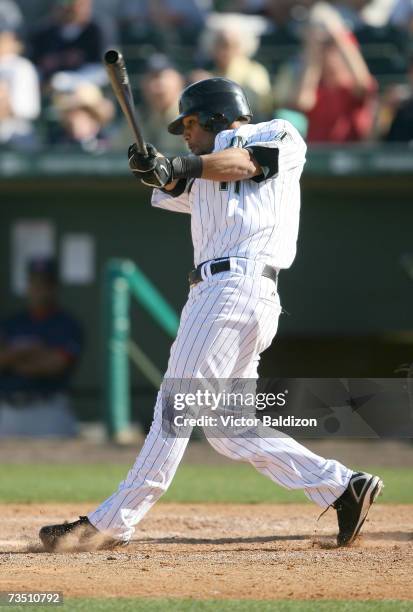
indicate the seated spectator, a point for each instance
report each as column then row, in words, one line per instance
column 39, row 349
column 160, row 86
column 401, row 128
column 19, row 86
column 83, row 115
column 229, row 46
column 69, row 46
column 336, row 90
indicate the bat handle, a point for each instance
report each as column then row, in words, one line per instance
column 140, row 143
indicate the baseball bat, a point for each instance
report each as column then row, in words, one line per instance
column 119, row 79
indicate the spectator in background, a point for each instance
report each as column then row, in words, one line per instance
column 401, row 128
column 39, row 349
column 83, row 115
column 163, row 19
column 137, row 23
column 69, row 46
column 287, row 19
column 187, row 17
column 19, row 85
column 160, row 86
column 336, row 90
column 229, row 45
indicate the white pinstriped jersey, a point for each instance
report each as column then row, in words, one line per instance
column 246, row 219
column 225, row 325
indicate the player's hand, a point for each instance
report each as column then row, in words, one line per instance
column 152, row 169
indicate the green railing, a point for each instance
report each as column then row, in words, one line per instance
column 344, row 160
column 123, row 280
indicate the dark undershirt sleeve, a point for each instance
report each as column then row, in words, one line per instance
column 267, row 158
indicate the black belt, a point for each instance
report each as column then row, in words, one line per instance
column 224, row 265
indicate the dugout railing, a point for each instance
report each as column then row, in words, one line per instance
column 122, row 281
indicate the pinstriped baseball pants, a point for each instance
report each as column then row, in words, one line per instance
column 228, row 320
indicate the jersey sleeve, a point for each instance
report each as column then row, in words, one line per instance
column 161, row 199
column 276, row 145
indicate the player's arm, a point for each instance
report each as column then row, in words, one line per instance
column 171, row 174
column 232, row 164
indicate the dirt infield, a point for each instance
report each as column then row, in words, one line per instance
column 217, row 551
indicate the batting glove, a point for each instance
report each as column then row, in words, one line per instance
column 153, row 169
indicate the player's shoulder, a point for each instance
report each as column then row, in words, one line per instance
column 275, row 129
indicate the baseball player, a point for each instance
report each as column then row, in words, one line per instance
column 241, row 187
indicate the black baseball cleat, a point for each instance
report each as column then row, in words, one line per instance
column 353, row 506
column 80, row 535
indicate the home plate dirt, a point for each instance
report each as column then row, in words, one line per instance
column 207, row 551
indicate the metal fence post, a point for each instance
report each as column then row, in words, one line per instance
column 116, row 368
column 123, row 279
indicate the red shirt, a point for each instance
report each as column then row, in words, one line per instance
column 339, row 115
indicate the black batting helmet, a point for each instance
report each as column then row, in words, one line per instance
column 217, row 102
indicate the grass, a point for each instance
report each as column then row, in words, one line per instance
column 185, row 605
column 201, row 483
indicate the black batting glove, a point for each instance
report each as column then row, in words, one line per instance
column 138, row 162
column 153, row 169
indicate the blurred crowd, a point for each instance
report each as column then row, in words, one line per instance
column 339, row 71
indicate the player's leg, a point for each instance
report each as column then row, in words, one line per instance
column 279, row 457
column 159, row 458
column 204, row 338
column 205, row 348
column 145, row 482
column 289, row 463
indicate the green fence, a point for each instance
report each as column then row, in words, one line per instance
column 346, row 160
column 123, row 280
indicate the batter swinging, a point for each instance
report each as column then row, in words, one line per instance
column 241, row 188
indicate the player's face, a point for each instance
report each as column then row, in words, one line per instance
column 198, row 140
